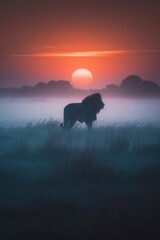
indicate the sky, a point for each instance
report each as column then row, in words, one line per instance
column 45, row 40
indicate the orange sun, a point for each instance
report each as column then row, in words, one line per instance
column 82, row 77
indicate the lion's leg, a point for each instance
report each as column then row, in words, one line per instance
column 66, row 121
column 71, row 124
column 89, row 124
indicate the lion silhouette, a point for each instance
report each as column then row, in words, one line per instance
column 85, row 111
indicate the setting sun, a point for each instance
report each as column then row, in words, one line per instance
column 81, row 77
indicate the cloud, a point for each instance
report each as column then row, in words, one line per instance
column 86, row 53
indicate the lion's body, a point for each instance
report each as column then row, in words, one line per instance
column 83, row 112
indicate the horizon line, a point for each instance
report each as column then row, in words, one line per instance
column 86, row 53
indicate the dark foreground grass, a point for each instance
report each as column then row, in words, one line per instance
column 103, row 184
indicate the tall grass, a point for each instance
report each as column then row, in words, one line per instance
column 129, row 148
column 79, row 181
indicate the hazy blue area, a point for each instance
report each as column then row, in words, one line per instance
column 103, row 182
column 17, row 112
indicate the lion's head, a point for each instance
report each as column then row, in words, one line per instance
column 94, row 101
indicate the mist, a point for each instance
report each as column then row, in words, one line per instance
column 18, row 112
column 79, row 183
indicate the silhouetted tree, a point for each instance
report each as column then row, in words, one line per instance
column 150, row 88
column 131, row 85
column 59, row 87
column 25, row 90
column 112, row 89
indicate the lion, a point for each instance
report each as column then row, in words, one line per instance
column 85, row 111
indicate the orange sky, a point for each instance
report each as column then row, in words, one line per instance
column 48, row 40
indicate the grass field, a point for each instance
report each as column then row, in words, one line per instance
column 99, row 184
